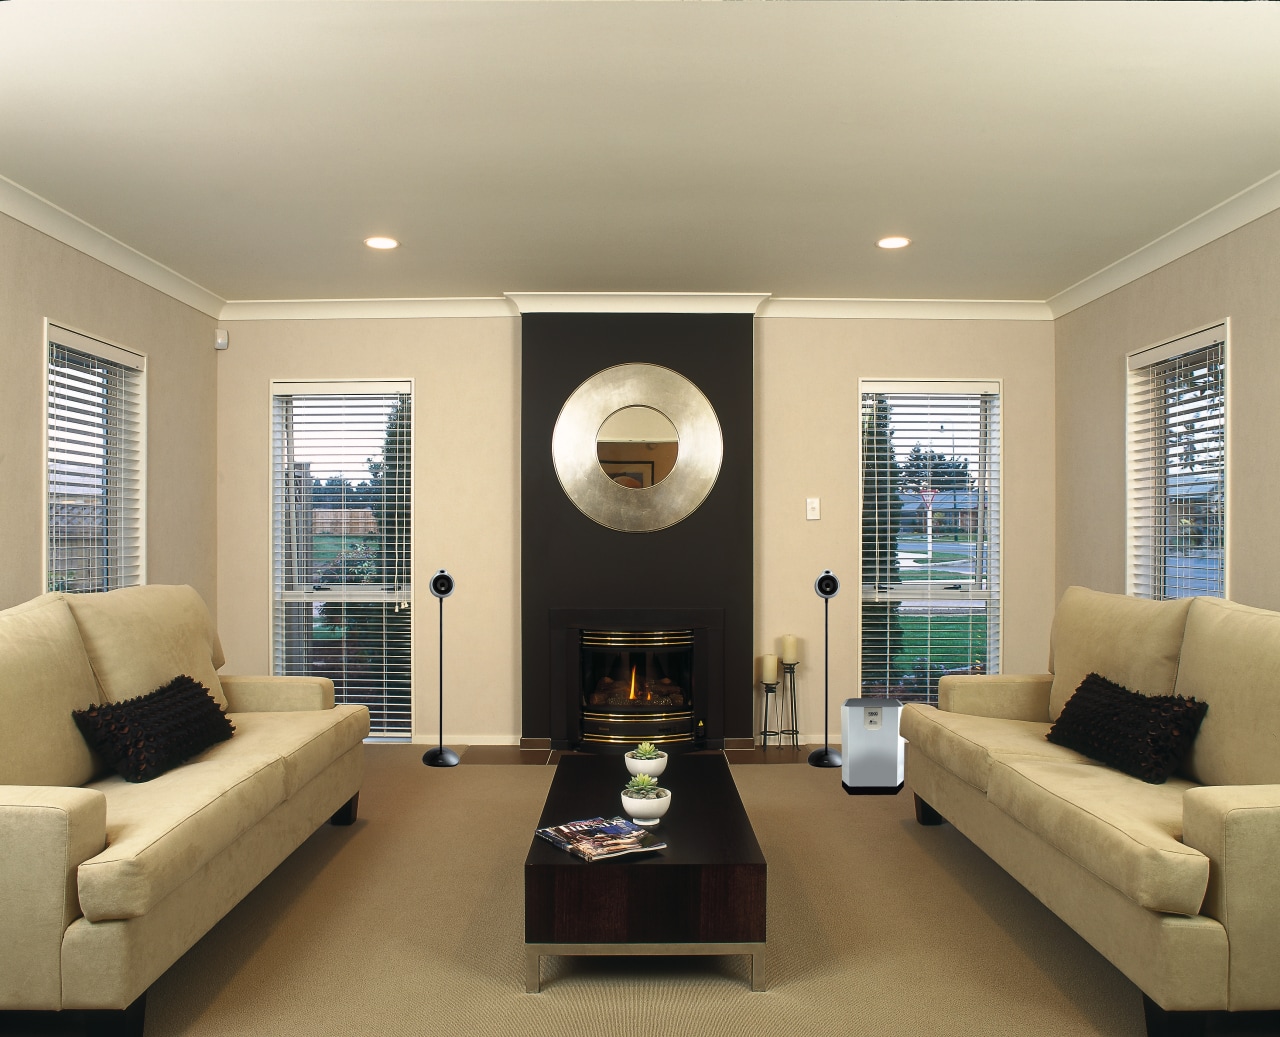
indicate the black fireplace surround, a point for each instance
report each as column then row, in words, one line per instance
column 693, row 577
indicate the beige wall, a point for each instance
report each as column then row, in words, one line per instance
column 1235, row 278
column 807, row 426
column 466, row 377
column 41, row 279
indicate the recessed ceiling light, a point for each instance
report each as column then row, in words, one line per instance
column 382, row 243
column 894, row 242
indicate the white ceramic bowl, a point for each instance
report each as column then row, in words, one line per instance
column 646, row 811
column 650, row 767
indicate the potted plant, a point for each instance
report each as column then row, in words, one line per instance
column 645, row 800
column 646, row 758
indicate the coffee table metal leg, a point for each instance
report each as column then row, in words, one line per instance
column 533, row 953
column 532, row 970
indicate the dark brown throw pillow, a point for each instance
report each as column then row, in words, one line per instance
column 143, row 737
column 1143, row 735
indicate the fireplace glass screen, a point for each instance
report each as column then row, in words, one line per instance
column 637, row 686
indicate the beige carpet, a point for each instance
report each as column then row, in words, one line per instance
column 411, row 923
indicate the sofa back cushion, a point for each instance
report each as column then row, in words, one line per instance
column 1131, row 641
column 1231, row 660
column 44, row 675
column 140, row 638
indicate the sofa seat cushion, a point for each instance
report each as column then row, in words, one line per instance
column 966, row 745
column 306, row 740
column 160, row 832
column 1126, row 831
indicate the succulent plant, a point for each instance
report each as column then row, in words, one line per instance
column 645, row 751
column 643, row 786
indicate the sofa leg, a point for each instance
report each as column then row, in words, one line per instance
column 126, row 1022
column 1162, row 1023
column 346, row 814
column 926, row 815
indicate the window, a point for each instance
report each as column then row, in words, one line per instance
column 341, row 542
column 1177, row 450
column 94, row 395
column 930, row 463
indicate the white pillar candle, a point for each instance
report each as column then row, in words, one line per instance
column 769, row 669
column 790, row 654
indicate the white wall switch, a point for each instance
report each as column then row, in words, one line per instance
column 812, row 508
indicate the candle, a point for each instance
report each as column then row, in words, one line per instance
column 789, row 651
column 769, row 669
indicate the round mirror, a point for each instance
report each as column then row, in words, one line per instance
column 661, row 399
column 637, row 447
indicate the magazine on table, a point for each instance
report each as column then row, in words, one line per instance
column 596, row 838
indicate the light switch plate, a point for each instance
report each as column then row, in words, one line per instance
column 812, row 508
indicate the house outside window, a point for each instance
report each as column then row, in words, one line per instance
column 1177, row 467
column 95, row 480
column 931, row 491
column 342, row 559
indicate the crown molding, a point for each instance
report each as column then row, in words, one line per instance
column 364, row 309
column 42, row 215
column 637, row 302
column 907, row 309
column 1250, row 204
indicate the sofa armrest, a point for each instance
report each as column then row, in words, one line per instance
column 1238, row 828
column 1003, row 696
column 277, row 694
column 48, row 832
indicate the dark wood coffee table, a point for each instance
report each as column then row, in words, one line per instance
column 704, row 894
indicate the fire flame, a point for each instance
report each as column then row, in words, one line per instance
column 632, row 696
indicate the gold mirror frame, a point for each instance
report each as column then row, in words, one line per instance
column 573, row 448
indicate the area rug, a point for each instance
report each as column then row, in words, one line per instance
column 410, row 923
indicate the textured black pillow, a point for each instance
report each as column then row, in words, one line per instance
column 1142, row 735
column 141, row 738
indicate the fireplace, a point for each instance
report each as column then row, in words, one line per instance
column 637, row 675
column 637, row 686
column 578, row 575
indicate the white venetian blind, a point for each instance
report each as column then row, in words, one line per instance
column 931, row 490
column 1177, row 467
column 94, row 395
column 341, row 520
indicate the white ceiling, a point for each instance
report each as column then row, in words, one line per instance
column 636, row 146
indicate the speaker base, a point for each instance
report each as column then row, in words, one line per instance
column 440, row 756
column 824, row 757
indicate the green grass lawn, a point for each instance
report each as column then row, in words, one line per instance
column 325, row 547
column 950, row 639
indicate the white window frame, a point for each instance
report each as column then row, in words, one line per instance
column 1146, row 550
column 126, row 542
column 946, row 590
column 399, row 594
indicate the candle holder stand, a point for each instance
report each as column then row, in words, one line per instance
column 767, row 732
column 787, row 705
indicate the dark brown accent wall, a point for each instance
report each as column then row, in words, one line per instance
column 569, row 562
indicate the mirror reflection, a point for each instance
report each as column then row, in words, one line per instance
column 637, row 447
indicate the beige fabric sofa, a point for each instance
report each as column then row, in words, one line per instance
column 104, row 884
column 1178, row 885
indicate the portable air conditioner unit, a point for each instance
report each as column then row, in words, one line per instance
column 872, row 748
